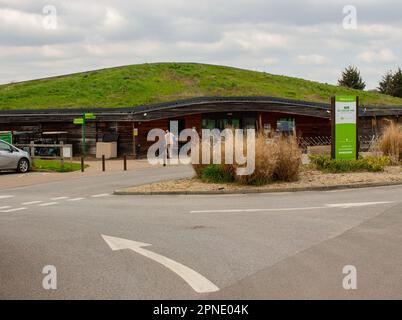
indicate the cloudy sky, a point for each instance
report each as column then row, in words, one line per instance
column 305, row 38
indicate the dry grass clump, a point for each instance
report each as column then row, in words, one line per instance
column 288, row 159
column 275, row 160
column 266, row 155
column 391, row 143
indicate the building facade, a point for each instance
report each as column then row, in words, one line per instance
column 131, row 126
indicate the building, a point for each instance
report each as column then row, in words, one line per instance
column 132, row 124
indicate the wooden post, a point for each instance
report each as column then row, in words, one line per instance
column 134, row 146
column 62, row 154
column 82, row 164
column 125, row 162
column 103, row 163
column 32, row 151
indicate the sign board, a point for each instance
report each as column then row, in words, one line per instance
column 135, row 132
column 79, row 121
column 67, row 152
column 6, row 136
column 344, row 131
column 89, row 116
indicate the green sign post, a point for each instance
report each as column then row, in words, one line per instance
column 83, row 121
column 345, row 127
column 6, row 136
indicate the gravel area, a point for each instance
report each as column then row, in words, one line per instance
column 308, row 178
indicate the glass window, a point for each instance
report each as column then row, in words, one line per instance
column 4, row 147
column 286, row 125
column 208, row 124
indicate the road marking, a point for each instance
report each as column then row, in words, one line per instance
column 101, row 195
column 254, row 210
column 13, row 210
column 5, row 207
column 6, row 197
column 58, row 198
column 333, row 205
column 198, row 282
column 47, row 204
column 75, row 199
column 30, row 203
column 357, row 204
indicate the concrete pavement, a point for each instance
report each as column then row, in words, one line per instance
column 281, row 245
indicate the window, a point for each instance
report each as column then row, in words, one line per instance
column 4, row 147
column 285, row 125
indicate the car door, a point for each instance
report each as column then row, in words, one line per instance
column 7, row 157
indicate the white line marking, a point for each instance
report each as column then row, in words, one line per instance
column 101, row 195
column 13, row 210
column 357, row 204
column 334, row 205
column 75, row 199
column 47, row 204
column 6, row 197
column 198, row 282
column 30, row 203
column 58, row 198
column 5, row 207
column 255, row 210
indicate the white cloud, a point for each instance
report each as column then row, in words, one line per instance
column 312, row 59
column 383, row 55
column 299, row 38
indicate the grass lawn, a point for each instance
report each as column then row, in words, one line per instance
column 55, row 165
column 163, row 82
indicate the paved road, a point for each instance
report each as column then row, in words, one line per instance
column 246, row 246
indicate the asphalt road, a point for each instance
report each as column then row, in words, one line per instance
column 257, row 246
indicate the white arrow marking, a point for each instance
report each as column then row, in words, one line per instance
column 198, row 282
column 357, row 204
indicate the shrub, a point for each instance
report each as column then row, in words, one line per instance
column 216, row 174
column 371, row 164
column 391, row 143
column 198, row 168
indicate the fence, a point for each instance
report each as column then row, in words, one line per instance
column 65, row 151
column 366, row 141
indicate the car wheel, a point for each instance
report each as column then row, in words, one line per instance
column 23, row 166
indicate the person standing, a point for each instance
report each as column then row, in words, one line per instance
column 169, row 142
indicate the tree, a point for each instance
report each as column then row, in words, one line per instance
column 391, row 83
column 385, row 85
column 397, row 84
column 351, row 78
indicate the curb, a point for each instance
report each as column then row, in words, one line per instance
column 256, row 191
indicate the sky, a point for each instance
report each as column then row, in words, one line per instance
column 310, row 39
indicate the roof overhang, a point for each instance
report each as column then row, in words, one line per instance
column 189, row 107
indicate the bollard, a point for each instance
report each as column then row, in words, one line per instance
column 82, row 164
column 125, row 162
column 103, row 163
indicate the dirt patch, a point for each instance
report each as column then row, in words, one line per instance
column 308, row 179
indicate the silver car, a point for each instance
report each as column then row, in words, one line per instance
column 12, row 158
